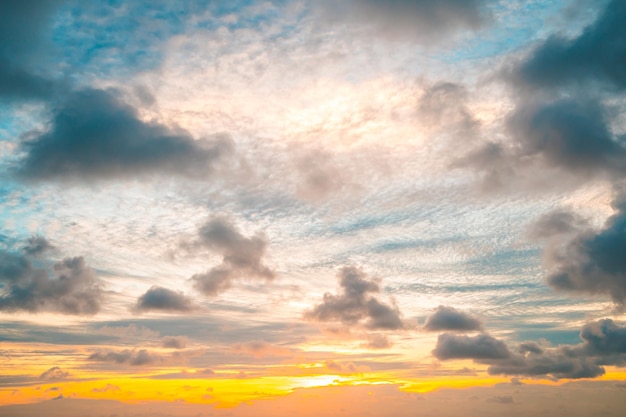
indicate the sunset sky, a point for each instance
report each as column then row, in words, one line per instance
column 312, row 208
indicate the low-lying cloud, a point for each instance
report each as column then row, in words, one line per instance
column 603, row 343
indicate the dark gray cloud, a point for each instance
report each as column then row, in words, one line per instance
column 71, row 287
column 54, row 374
column 23, row 44
column 354, row 305
column 95, row 134
column 596, row 55
column 557, row 363
column 424, row 20
column 163, row 299
column 133, row 357
column 562, row 119
column 242, row 256
column 591, row 261
column 261, row 348
column 571, row 133
column 37, row 245
column 482, row 346
column 603, row 343
column 495, row 162
column 604, row 338
column 450, row 319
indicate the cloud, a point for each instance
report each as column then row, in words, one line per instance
column 591, row 261
column 163, row 299
column 603, row 343
column 22, row 45
column 482, row 346
column 260, row 348
column 604, row 338
column 37, row 245
column 556, row 223
column 570, row 133
column 107, row 388
column 344, row 368
column 423, row 20
column 242, row 256
column 595, row 55
column 133, row 357
column 72, row 288
column 54, row 374
column 173, row 342
column 444, row 105
column 450, row 319
column 561, row 118
column 94, row 134
column 354, row 305
column 556, row 363
column 319, row 177
column 377, row 341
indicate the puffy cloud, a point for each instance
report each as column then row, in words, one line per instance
column 604, row 338
column 163, row 299
column 595, row 55
column 571, row 133
column 591, row 261
column 603, row 343
column 482, row 346
column 561, row 119
column 94, row 134
column 556, row 363
column 424, row 20
column 54, row 374
column 450, row 319
column 354, row 305
column 72, row 288
column 242, row 256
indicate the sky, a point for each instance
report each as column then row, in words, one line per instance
column 291, row 207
